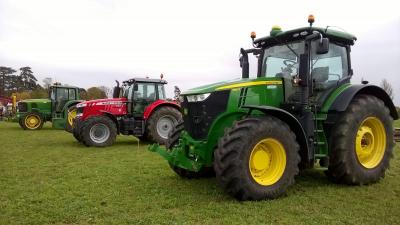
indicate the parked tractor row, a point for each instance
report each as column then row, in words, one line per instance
column 256, row 133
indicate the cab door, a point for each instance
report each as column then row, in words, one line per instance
column 329, row 70
column 144, row 95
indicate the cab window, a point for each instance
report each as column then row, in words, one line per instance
column 281, row 60
column 161, row 92
column 327, row 69
column 146, row 91
column 72, row 94
column 62, row 94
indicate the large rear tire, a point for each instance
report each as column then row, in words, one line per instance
column 361, row 143
column 257, row 159
column 32, row 121
column 161, row 123
column 98, row 131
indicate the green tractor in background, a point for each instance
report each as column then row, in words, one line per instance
column 300, row 109
column 59, row 108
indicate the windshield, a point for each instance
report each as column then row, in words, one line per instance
column 281, row 61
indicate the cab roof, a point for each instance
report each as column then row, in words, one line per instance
column 63, row 86
column 145, row 80
column 301, row 33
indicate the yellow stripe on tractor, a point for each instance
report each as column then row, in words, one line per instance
column 247, row 84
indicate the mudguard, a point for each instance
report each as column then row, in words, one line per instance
column 69, row 104
column 159, row 103
column 306, row 153
column 343, row 100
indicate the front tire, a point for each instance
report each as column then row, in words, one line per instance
column 257, row 159
column 32, row 121
column 361, row 143
column 161, row 123
column 98, row 131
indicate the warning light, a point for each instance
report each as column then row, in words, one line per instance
column 311, row 19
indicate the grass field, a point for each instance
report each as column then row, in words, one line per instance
column 46, row 177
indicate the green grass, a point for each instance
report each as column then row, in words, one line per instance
column 46, row 177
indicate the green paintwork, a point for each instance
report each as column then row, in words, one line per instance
column 332, row 97
column 288, row 34
column 214, row 87
column 46, row 108
column 200, row 152
column 193, row 155
column 321, row 140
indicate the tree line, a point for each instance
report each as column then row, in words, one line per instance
column 24, row 85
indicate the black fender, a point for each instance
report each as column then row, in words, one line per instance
column 343, row 100
column 69, row 104
column 307, row 156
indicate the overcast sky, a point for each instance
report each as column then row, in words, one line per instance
column 93, row 42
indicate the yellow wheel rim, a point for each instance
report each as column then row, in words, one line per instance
column 32, row 121
column 370, row 142
column 71, row 116
column 267, row 161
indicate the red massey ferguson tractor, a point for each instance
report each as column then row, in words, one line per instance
column 139, row 107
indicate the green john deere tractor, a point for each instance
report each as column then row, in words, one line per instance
column 59, row 108
column 299, row 110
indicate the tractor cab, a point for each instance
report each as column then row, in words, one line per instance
column 312, row 58
column 60, row 95
column 140, row 93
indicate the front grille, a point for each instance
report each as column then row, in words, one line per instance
column 198, row 116
column 22, row 107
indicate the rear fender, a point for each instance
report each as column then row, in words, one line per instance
column 343, row 100
column 156, row 105
column 67, row 106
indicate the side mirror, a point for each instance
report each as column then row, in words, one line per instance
column 323, row 46
column 135, row 87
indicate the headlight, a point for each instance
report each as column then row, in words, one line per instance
column 80, row 105
column 197, row 98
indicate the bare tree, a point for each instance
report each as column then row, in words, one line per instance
column 47, row 82
column 106, row 90
column 387, row 87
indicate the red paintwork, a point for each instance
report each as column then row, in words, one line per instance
column 117, row 107
column 159, row 103
column 114, row 106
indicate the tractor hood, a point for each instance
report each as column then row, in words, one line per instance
column 237, row 83
column 106, row 101
column 44, row 100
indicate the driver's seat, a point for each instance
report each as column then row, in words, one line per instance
column 320, row 75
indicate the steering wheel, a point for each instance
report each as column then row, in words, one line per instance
column 289, row 62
